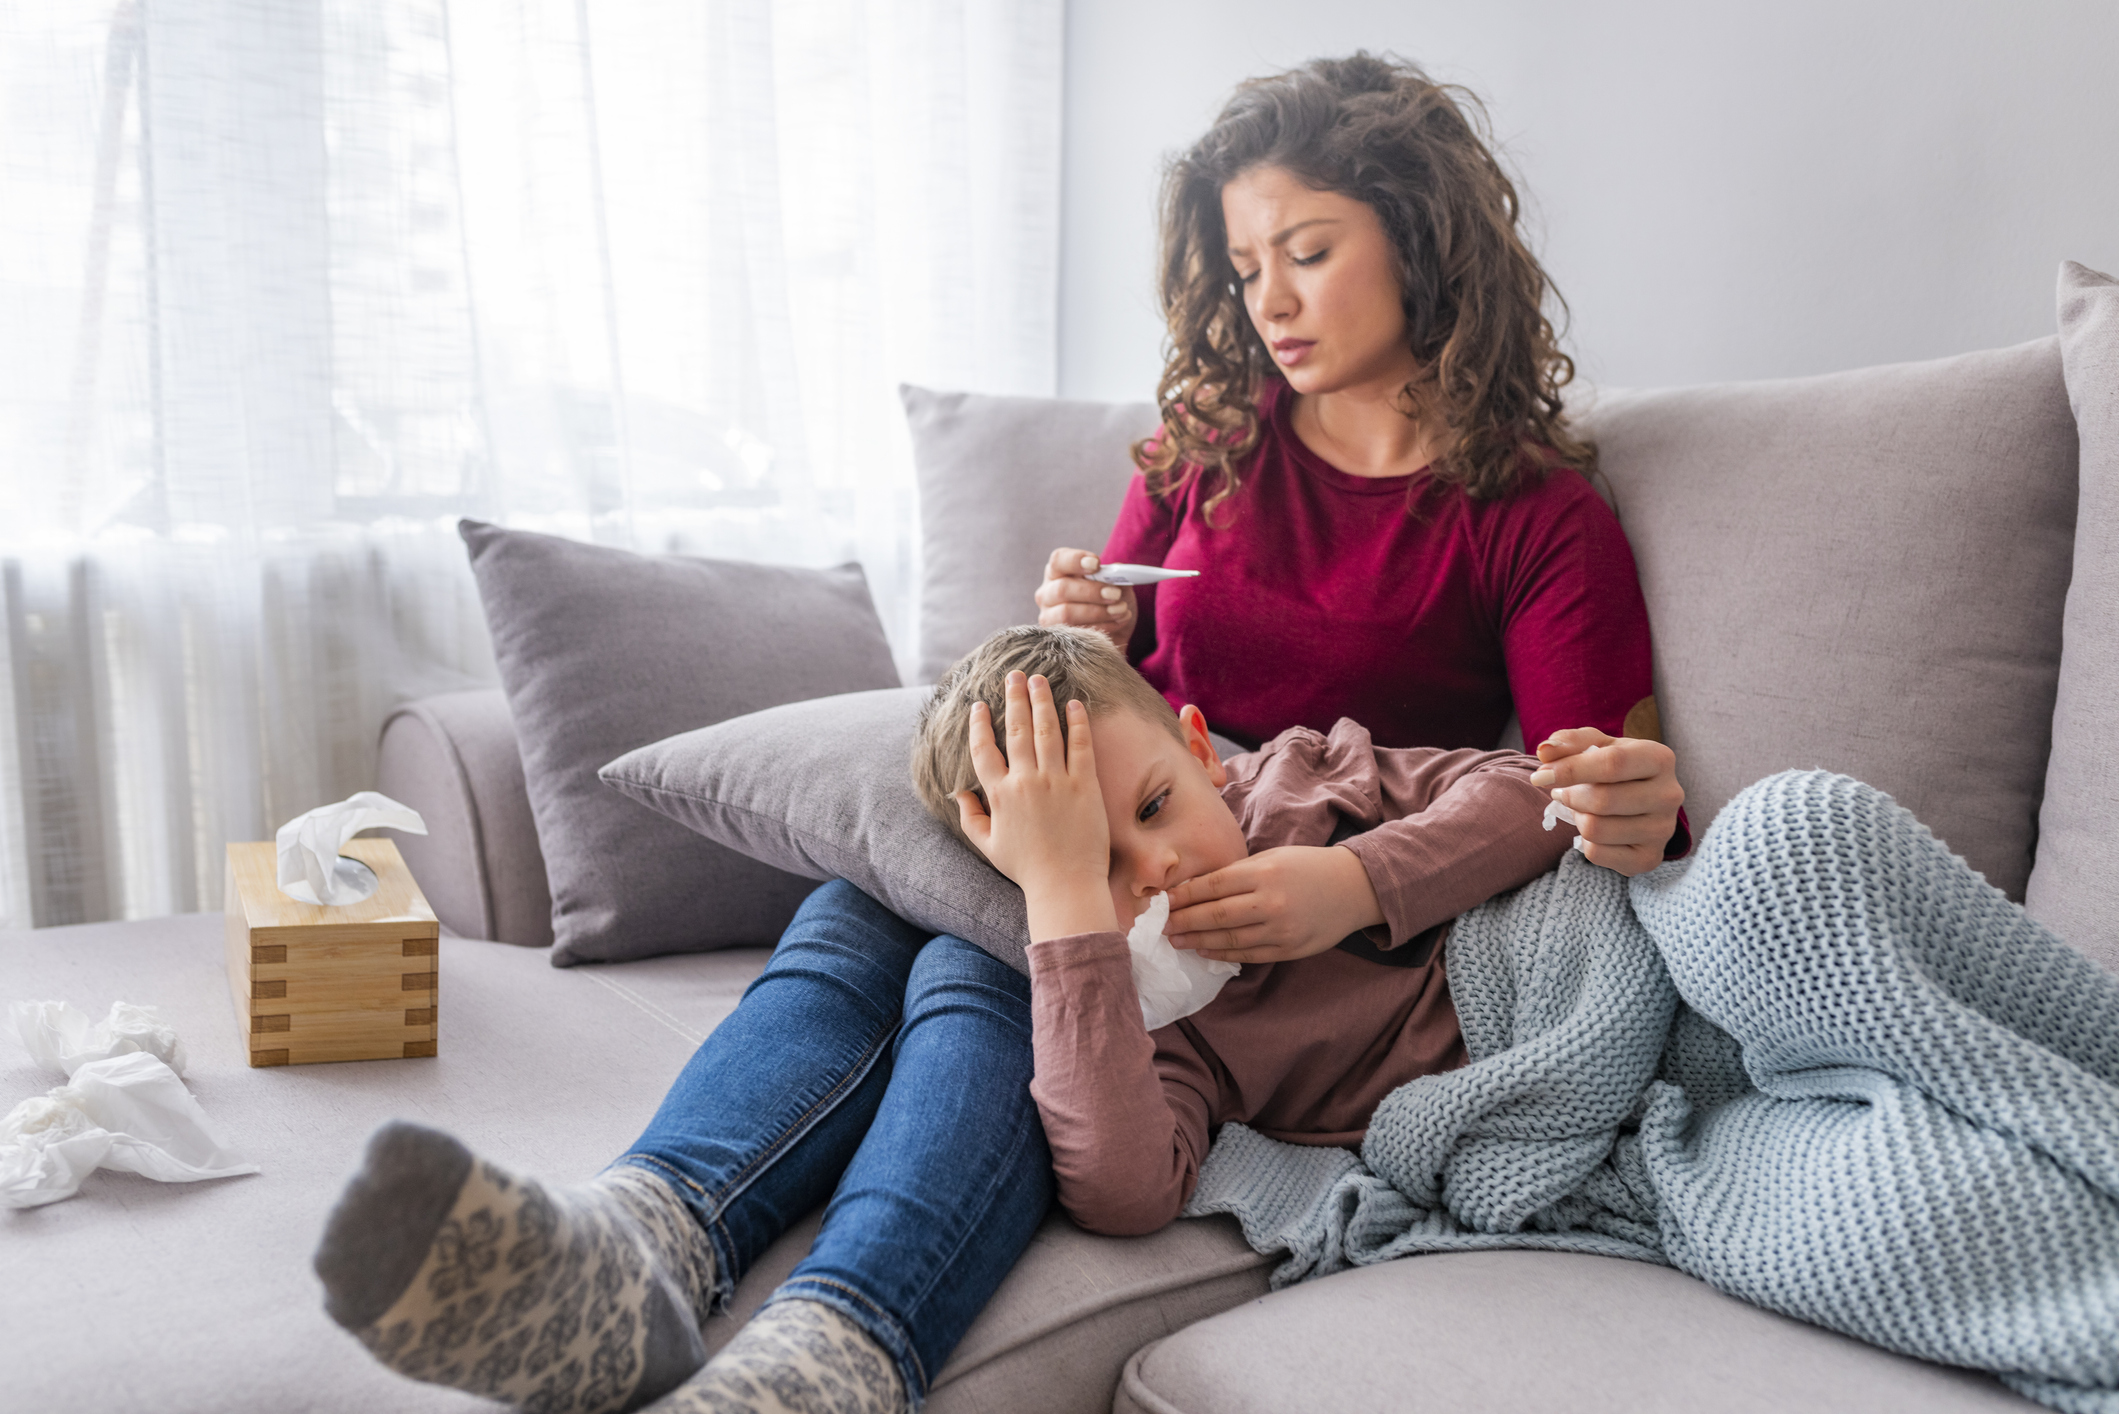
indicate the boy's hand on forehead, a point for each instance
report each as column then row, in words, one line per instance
column 1042, row 822
column 1276, row 906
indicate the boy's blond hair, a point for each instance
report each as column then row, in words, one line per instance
column 1081, row 664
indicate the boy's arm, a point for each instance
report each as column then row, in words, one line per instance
column 1126, row 1114
column 1457, row 828
column 1469, row 825
column 1126, row 1156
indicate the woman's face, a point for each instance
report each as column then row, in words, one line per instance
column 1319, row 284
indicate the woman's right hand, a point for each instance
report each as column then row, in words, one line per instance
column 1067, row 597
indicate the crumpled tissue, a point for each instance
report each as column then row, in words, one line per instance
column 1558, row 812
column 127, row 1112
column 1172, row 982
column 311, row 870
column 63, row 1037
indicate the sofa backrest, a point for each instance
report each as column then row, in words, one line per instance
column 1863, row 571
column 1003, row 483
column 2078, row 824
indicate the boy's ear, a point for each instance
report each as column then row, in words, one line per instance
column 1200, row 745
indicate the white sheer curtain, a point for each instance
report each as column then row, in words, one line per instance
column 286, row 286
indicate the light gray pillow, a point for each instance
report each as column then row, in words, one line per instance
column 1003, row 483
column 824, row 790
column 1863, row 571
column 601, row 651
column 2077, row 836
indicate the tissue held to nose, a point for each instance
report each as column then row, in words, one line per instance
column 1173, row 983
column 311, row 870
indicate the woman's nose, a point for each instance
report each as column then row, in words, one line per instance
column 1275, row 295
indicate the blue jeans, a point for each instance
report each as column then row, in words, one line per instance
column 888, row 1070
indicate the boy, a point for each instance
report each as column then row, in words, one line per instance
column 1096, row 808
column 1825, row 1067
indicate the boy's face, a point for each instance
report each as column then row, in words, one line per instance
column 1162, row 799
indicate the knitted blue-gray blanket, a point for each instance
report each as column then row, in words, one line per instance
column 1823, row 1066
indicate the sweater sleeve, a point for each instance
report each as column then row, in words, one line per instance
column 1460, row 827
column 1573, row 621
column 1126, row 1114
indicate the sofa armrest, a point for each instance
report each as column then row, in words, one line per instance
column 454, row 759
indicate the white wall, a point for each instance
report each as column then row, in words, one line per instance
column 1720, row 190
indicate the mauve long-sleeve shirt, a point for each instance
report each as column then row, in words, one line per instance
column 1301, row 1051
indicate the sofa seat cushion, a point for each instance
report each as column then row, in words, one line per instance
column 1503, row 1332
column 152, row 1297
column 1055, row 1337
column 549, row 1072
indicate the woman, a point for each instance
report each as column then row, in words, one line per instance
column 1363, row 456
column 888, row 1072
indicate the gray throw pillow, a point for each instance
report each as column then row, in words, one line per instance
column 2077, row 833
column 601, row 651
column 1862, row 571
column 1003, row 483
column 824, row 790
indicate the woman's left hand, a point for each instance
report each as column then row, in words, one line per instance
column 1624, row 791
column 1276, row 906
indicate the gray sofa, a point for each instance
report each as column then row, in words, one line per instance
column 1866, row 571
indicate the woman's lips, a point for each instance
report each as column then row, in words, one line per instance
column 1292, row 351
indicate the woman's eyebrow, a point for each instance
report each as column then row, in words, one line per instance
column 1280, row 238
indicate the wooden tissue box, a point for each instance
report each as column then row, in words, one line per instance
column 351, row 982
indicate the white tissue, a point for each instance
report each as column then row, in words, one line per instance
column 1172, row 982
column 311, row 870
column 1138, row 574
column 128, row 1112
column 63, row 1037
column 1557, row 811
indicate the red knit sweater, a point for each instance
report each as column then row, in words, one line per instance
column 1321, row 596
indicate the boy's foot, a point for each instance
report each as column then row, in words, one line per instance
column 581, row 1300
column 794, row 1357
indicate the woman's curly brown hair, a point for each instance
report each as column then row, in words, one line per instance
column 1382, row 132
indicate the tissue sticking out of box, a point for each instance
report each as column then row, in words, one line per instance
column 311, row 868
column 1555, row 812
column 1172, row 982
column 1138, row 574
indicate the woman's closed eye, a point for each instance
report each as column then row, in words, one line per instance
column 1310, row 259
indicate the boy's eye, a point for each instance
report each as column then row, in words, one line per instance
column 1153, row 807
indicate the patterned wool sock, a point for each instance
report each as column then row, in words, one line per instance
column 794, row 1357
column 581, row 1300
